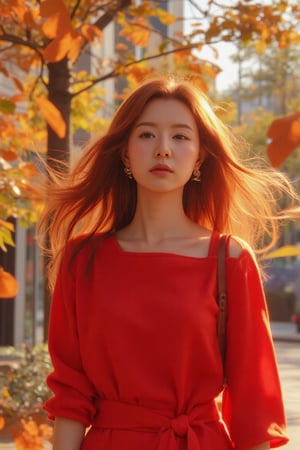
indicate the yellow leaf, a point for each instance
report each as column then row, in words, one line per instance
column 165, row 17
column 260, row 47
column 283, row 252
column 137, row 31
column 90, row 32
column 10, row 226
column 53, row 116
column 5, row 394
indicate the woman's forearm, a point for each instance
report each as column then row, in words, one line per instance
column 68, row 434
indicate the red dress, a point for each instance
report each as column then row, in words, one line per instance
column 135, row 353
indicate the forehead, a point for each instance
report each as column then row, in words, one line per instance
column 168, row 110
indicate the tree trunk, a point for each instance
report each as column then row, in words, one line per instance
column 59, row 95
column 58, row 149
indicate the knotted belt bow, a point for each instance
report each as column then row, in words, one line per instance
column 126, row 416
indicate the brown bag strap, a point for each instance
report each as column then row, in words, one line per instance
column 222, row 294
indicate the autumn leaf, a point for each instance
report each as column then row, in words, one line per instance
column 19, row 8
column 137, row 31
column 284, row 137
column 56, row 25
column 52, row 116
column 91, row 32
column 10, row 226
column 7, row 107
column 8, row 155
column 50, row 7
column 165, row 17
column 137, row 73
column 32, row 435
column 121, row 47
column 69, row 44
column 18, row 83
column 75, row 46
column 57, row 49
column 8, row 285
column 28, row 169
column 2, row 422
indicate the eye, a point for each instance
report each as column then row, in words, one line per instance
column 181, row 137
column 146, row 135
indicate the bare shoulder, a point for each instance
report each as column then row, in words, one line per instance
column 237, row 246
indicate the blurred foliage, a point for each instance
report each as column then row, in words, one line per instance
column 22, row 385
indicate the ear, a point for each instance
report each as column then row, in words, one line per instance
column 124, row 157
column 200, row 160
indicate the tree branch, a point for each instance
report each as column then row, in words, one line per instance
column 76, row 6
column 5, row 37
column 106, row 18
column 114, row 73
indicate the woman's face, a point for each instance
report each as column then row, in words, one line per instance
column 163, row 148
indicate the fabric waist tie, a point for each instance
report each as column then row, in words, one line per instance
column 118, row 415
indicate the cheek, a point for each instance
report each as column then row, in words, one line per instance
column 190, row 154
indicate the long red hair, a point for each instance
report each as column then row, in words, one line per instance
column 96, row 196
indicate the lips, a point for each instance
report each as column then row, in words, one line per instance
column 161, row 168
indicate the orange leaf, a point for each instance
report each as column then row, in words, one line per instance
column 29, row 18
column 90, row 32
column 8, row 155
column 75, row 47
column 67, row 45
column 284, row 137
column 8, row 285
column 18, row 84
column 58, row 24
column 57, row 49
column 28, row 169
column 121, row 47
column 10, row 226
column 50, row 7
column 2, row 422
column 31, row 427
column 53, row 116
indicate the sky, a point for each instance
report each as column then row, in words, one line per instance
column 229, row 74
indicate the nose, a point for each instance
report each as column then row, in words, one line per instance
column 163, row 149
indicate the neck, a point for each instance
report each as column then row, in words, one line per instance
column 159, row 216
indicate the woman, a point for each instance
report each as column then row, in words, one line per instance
column 134, row 232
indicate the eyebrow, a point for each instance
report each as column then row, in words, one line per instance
column 175, row 125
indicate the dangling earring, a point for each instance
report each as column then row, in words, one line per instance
column 128, row 172
column 196, row 174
